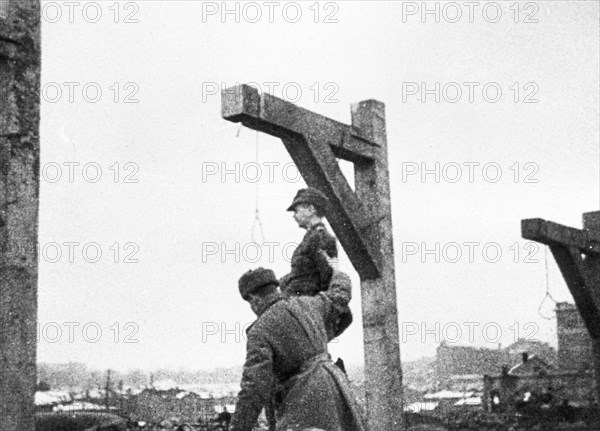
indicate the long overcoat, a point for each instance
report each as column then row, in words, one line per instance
column 287, row 349
column 311, row 272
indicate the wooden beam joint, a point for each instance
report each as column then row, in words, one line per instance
column 267, row 113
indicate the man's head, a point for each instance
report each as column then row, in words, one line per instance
column 256, row 285
column 309, row 206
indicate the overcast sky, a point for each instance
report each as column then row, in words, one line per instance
column 514, row 134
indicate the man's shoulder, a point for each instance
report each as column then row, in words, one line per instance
column 281, row 310
column 342, row 278
column 320, row 230
column 306, row 304
column 304, row 300
column 267, row 319
column 320, row 234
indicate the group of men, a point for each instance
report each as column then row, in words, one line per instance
column 288, row 370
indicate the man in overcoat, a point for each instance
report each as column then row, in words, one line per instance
column 310, row 272
column 287, row 349
column 310, row 269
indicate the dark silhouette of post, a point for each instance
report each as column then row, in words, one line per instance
column 19, row 191
column 361, row 219
column 577, row 253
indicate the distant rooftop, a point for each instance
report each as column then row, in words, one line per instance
column 445, row 395
column 562, row 306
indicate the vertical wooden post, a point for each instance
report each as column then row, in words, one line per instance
column 596, row 353
column 19, row 191
column 591, row 224
column 383, row 372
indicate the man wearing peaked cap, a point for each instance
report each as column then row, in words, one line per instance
column 310, row 273
column 287, row 349
column 311, row 196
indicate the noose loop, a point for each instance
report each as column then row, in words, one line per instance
column 257, row 226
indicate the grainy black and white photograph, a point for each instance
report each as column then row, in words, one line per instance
column 299, row 215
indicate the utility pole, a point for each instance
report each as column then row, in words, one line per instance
column 107, row 390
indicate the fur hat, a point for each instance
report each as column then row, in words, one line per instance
column 253, row 280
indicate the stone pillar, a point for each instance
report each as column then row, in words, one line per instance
column 19, row 192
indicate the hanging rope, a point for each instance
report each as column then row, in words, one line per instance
column 257, row 233
column 548, row 295
column 257, row 225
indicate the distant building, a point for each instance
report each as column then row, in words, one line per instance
column 536, row 378
column 46, row 401
column 531, row 366
column 421, row 407
column 504, row 392
column 154, row 405
column 517, row 350
column 459, row 367
column 465, row 383
column 81, row 406
column 524, row 367
column 445, row 401
column 453, row 360
column 574, row 342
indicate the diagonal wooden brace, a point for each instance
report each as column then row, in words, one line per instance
column 577, row 253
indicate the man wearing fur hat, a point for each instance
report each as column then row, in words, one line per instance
column 287, row 348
